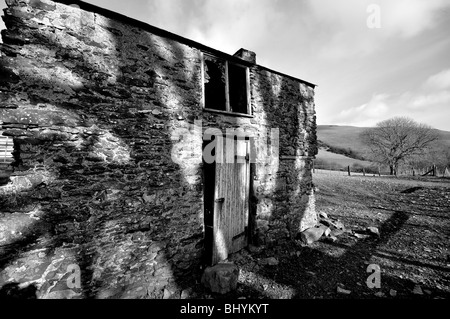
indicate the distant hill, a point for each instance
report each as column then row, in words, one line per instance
column 342, row 146
column 339, row 159
column 347, row 137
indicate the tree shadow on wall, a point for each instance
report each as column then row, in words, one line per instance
column 291, row 182
column 127, row 224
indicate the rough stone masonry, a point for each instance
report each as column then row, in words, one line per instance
column 91, row 100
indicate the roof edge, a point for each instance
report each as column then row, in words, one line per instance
column 167, row 34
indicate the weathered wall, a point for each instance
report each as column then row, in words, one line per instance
column 91, row 104
column 94, row 105
column 284, row 187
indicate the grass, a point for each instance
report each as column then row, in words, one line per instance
column 339, row 160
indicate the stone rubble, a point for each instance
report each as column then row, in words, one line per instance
column 221, row 278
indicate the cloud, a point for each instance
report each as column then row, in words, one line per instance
column 439, row 81
column 224, row 25
column 367, row 114
column 295, row 30
column 429, row 103
column 348, row 32
column 408, row 18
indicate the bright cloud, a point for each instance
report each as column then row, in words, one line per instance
column 439, row 81
column 429, row 103
column 409, row 18
column 367, row 114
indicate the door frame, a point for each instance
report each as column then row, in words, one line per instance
column 209, row 202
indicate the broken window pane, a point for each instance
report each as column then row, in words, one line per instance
column 238, row 88
column 215, row 84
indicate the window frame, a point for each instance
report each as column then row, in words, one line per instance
column 227, row 110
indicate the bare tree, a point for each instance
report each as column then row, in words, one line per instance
column 397, row 140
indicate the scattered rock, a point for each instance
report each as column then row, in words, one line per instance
column 393, row 292
column 330, row 223
column 337, row 232
column 325, row 222
column 331, row 239
column 373, row 231
column 380, row 294
column 327, row 232
column 343, row 291
column 185, row 294
column 167, row 294
column 312, row 234
column 338, row 225
column 323, row 215
column 254, row 249
column 417, row 290
column 360, row 236
column 271, row 261
column 265, row 287
column 221, row 278
column 428, row 292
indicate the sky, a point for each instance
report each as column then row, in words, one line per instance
column 371, row 59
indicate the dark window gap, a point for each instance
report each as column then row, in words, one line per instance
column 215, row 85
column 237, row 79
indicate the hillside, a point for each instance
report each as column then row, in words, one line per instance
column 347, row 137
column 341, row 136
column 339, row 159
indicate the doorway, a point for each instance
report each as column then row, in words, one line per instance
column 226, row 198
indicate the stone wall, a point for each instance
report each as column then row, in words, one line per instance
column 93, row 104
column 283, row 187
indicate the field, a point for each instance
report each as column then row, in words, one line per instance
column 338, row 160
column 412, row 251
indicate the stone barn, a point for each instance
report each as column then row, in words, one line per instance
column 131, row 157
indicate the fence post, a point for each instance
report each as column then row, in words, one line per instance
column 348, row 169
column 364, row 171
column 313, row 167
column 434, row 170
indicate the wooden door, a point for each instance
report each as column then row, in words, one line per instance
column 231, row 206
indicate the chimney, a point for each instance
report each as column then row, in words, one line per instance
column 246, row 55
